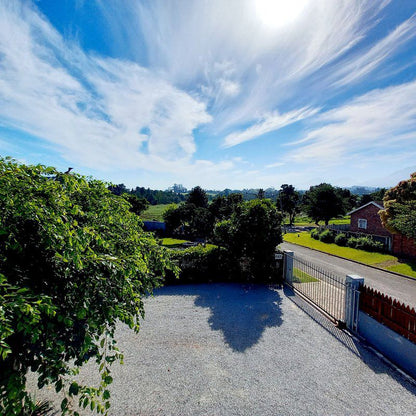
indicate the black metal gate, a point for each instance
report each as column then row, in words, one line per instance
column 321, row 287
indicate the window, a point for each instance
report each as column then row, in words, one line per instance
column 362, row 224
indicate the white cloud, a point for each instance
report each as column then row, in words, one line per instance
column 113, row 113
column 364, row 63
column 268, row 123
column 375, row 125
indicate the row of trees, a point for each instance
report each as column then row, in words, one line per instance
column 196, row 218
column 153, row 197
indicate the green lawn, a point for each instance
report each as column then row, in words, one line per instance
column 154, row 212
column 383, row 261
column 305, row 221
column 172, row 242
column 299, row 276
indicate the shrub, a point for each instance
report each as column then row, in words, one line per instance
column 368, row 244
column 199, row 265
column 341, row 239
column 352, row 242
column 365, row 243
column 326, row 236
column 315, row 233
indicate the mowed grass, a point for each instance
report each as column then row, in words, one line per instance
column 154, row 213
column 172, row 242
column 382, row 261
column 299, row 276
column 307, row 222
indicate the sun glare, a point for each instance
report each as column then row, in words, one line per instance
column 279, row 13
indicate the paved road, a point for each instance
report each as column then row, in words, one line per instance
column 239, row 350
column 396, row 286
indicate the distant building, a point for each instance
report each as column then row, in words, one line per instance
column 178, row 188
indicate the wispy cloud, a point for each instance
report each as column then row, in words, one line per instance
column 364, row 63
column 100, row 112
column 270, row 122
column 380, row 121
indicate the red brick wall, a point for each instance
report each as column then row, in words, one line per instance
column 374, row 226
column 404, row 246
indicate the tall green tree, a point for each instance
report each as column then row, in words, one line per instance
column 74, row 261
column 250, row 236
column 288, row 201
column 198, row 197
column 323, row 202
column 222, row 207
column 399, row 214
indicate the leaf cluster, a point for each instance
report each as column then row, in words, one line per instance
column 73, row 262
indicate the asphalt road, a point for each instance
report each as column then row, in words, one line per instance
column 243, row 350
column 401, row 288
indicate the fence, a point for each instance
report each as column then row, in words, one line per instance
column 390, row 312
column 325, row 289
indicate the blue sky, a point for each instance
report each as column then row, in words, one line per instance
column 222, row 94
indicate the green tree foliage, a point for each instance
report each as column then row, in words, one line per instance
column 198, row 197
column 288, row 201
column 73, row 262
column 222, row 207
column 261, row 194
column 138, row 205
column 323, row 202
column 374, row 196
column 188, row 220
column 250, row 236
column 154, row 197
column 399, row 214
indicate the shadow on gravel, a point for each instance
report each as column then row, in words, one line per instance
column 240, row 311
column 359, row 348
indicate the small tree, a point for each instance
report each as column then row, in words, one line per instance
column 288, row 201
column 399, row 214
column 138, row 205
column 323, row 202
column 74, row 261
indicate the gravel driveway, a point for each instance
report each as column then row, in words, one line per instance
column 229, row 349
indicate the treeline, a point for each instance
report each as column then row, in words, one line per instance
column 154, row 197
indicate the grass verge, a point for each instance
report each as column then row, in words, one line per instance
column 299, row 276
column 382, row 261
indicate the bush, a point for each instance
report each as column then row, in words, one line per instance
column 365, row 243
column 199, row 265
column 315, row 233
column 341, row 239
column 326, row 236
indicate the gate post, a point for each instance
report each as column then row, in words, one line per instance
column 352, row 300
column 288, row 266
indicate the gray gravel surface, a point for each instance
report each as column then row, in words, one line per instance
column 401, row 288
column 229, row 349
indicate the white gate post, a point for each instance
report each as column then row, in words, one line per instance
column 288, row 266
column 352, row 301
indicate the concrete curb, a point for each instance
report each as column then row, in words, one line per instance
column 354, row 261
